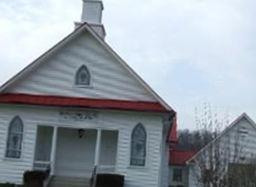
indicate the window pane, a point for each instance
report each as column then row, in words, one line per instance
column 138, row 146
column 177, row 175
column 14, row 140
column 83, row 76
column 13, row 154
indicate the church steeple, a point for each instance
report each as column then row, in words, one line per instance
column 92, row 14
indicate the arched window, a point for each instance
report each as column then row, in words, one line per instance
column 138, row 146
column 14, row 141
column 83, row 76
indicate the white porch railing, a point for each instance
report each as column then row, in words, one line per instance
column 47, row 165
column 42, row 165
column 106, row 169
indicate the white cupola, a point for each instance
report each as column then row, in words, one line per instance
column 92, row 15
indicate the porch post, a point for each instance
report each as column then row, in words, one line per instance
column 53, row 150
column 97, row 149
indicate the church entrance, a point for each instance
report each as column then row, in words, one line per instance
column 76, row 152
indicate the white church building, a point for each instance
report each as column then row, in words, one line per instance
column 80, row 107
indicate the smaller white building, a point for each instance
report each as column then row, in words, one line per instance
column 236, row 145
column 178, row 168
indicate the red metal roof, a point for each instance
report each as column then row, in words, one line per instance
column 178, row 157
column 44, row 100
column 173, row 138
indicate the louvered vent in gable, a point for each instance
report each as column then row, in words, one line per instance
column 243, row 132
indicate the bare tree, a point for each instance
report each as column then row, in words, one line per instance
column 193, row 140
column 222, row 162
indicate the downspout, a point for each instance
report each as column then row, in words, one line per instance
column 167, row 127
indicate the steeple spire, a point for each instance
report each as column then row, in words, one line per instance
column 92, row 15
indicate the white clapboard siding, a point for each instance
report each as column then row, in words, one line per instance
column 12, row 170
column 229, row 141
column 56, row 76
column 123, row 122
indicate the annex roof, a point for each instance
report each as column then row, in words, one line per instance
column 179, row 157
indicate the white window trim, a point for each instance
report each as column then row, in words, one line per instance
column 130, row 166
column 90, row 81
column 5, row 158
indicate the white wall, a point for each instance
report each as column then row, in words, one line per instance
column 110, row 80
column 193, row 177
column 124, row 122
column 12, row 170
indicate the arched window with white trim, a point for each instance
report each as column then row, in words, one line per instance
column 138, row 146
column 83, row 76
column 15, row 136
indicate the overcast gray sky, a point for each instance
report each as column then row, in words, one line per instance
column 189, row 51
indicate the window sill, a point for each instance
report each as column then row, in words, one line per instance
column 138, row 167
column 83, row 86
column 12, row 159
column 177, row 181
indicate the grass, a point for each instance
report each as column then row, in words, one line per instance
column 7, row 185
